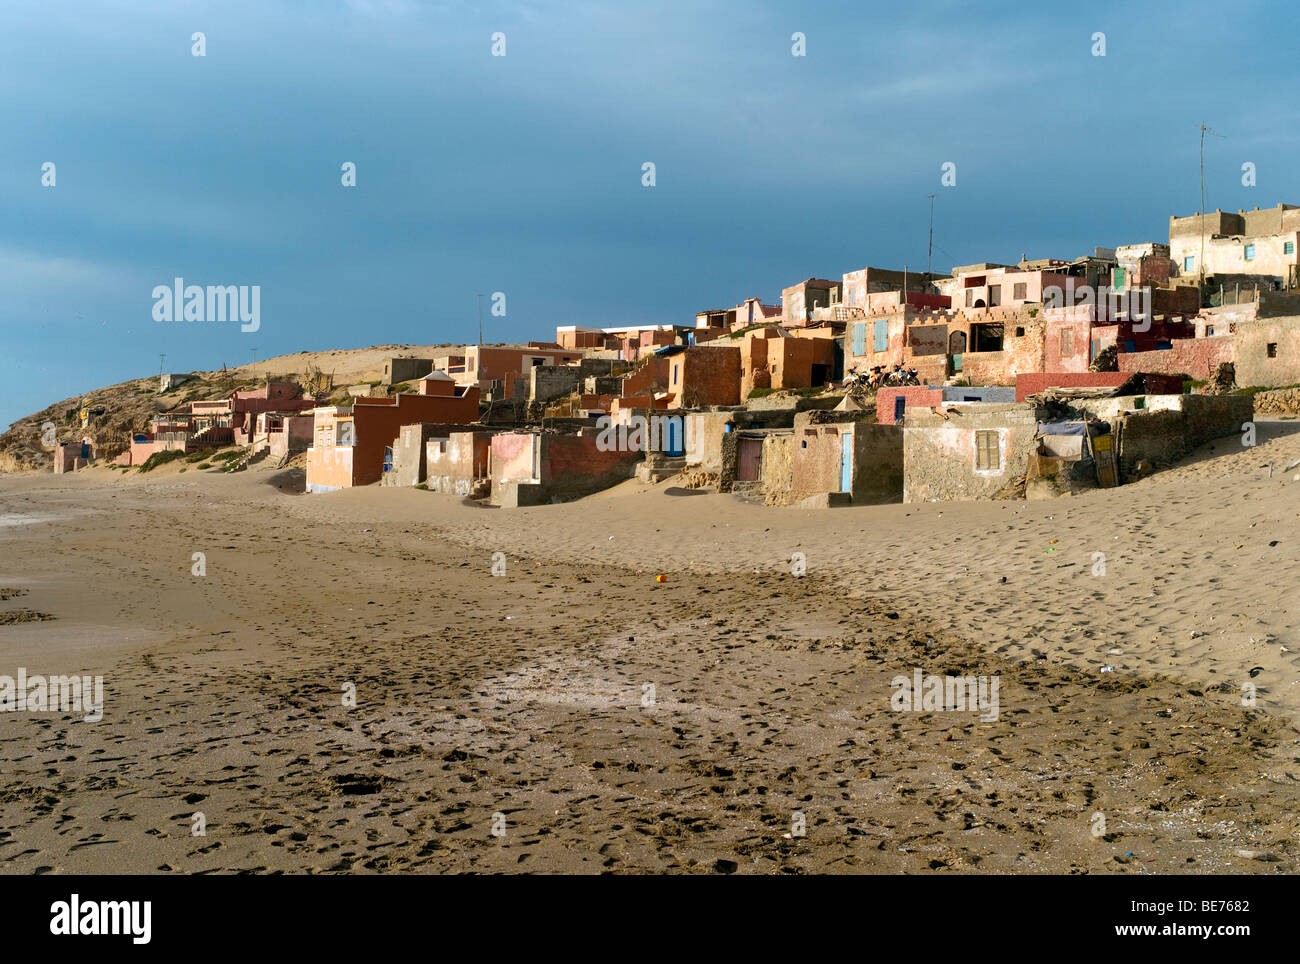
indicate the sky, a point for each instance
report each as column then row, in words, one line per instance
column 523, row 174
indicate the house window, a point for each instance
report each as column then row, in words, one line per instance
column 1250, row 252
column 995, row 295
column 1209, row 330
column 675, row 370
column 1067, row 342
column 1020, row 332
column 1288, row 247
column 1189, row 263
column 970, row 298
column 1020, row 290
column 882, row 335
column 860, row 338
column 987, row 457
column 1272, row 349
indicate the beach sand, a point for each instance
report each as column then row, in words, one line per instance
column 601, row 721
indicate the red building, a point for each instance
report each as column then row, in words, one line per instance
column 350, row 445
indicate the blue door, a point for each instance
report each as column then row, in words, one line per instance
column 846, row 462
column 674, row 436
column 900, row 407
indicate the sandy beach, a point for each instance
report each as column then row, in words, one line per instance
column 575, row 715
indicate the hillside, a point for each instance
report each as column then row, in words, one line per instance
column 118, row 410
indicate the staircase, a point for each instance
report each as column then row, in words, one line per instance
column 251, row 457
column 659, row 467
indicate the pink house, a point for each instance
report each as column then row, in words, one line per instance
column 533, row 468
column 247, row 404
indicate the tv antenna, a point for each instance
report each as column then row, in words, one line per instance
column 1204, row 130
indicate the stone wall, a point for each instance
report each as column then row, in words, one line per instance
column 1285, row 401
column 778, row 469
column 549, row 382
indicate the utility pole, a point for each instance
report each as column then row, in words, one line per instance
column 929, row 257
column 480, row 319
column 254, row 351
column 1201, row 265
column 162, row 360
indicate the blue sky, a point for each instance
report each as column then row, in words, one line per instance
column 522, row 173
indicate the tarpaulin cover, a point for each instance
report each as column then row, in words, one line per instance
column 1061, row 428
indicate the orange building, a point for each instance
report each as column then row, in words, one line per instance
column 704, row 375
column 351, row 445
column 770, row 358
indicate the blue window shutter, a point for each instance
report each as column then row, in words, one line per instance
column 882, row 335
column 860, row 338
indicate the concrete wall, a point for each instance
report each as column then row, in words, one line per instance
column 529, row 468
column 1254, row 366
column 998, row 394
column 398, row 370
column 455, row 463
column 939, row 456
column 409, row 455
column 877, row 464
